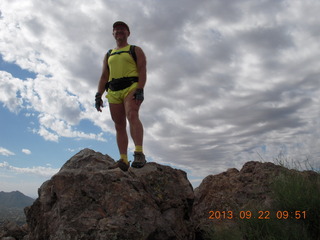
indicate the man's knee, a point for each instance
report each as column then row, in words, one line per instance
column 120, row 125
column 132, row 116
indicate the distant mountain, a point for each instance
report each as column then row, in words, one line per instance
column 14, row 199
column 12, row 206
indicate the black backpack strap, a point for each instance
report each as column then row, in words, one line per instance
column 133, row 52
column 108, row 55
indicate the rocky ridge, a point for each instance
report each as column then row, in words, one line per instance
column 220, row 198
column 85, row 201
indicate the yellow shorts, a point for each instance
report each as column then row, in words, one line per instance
column 118, row 97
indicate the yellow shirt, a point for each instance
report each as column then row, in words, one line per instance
column 122, row 64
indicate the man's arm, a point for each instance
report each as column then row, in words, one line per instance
column 104, row 76
column 102, row 83
column 141, row 66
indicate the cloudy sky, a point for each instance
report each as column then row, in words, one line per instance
column 229, row 81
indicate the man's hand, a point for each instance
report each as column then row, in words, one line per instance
column 99, row 102
column 138, row 95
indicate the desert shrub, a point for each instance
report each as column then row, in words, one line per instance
column 300, row 191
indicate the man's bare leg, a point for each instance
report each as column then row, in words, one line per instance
column 136, row 129
column 119, row 118
column 132, row 113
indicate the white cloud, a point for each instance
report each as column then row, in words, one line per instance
column 48, row 136
column 225, row 79
column 9, row 88
column 4, row 164
column 6, row 152
column 39, row 170
column 60, row 128
column 58, row 110
column 26, row 151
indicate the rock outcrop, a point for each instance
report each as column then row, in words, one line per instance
column 220, row 198
column 231, row 191
column 236, row 189
column 85, row 200
column 11, row 231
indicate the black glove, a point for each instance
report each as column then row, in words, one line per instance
column 138, row 95
column 99, row 102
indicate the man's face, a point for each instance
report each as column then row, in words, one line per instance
column 120, row 32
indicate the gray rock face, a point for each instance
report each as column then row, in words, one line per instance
column 85, row 200
column 11, row 231
column 233, row 191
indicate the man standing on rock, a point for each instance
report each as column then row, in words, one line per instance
column 123, row 77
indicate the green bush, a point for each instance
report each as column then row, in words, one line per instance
column 296, row 194
column 295, row 191
column 223, row 233
column 273, row 229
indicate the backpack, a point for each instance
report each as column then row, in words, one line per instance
column 131, row 51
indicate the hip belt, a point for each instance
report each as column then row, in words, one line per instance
column 117, row 84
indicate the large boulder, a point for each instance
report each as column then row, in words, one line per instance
column 12, row 231
column 222, row 201
column 234, row 189
column 85, row 200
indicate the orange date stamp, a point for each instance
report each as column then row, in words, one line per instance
column 261, row 215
